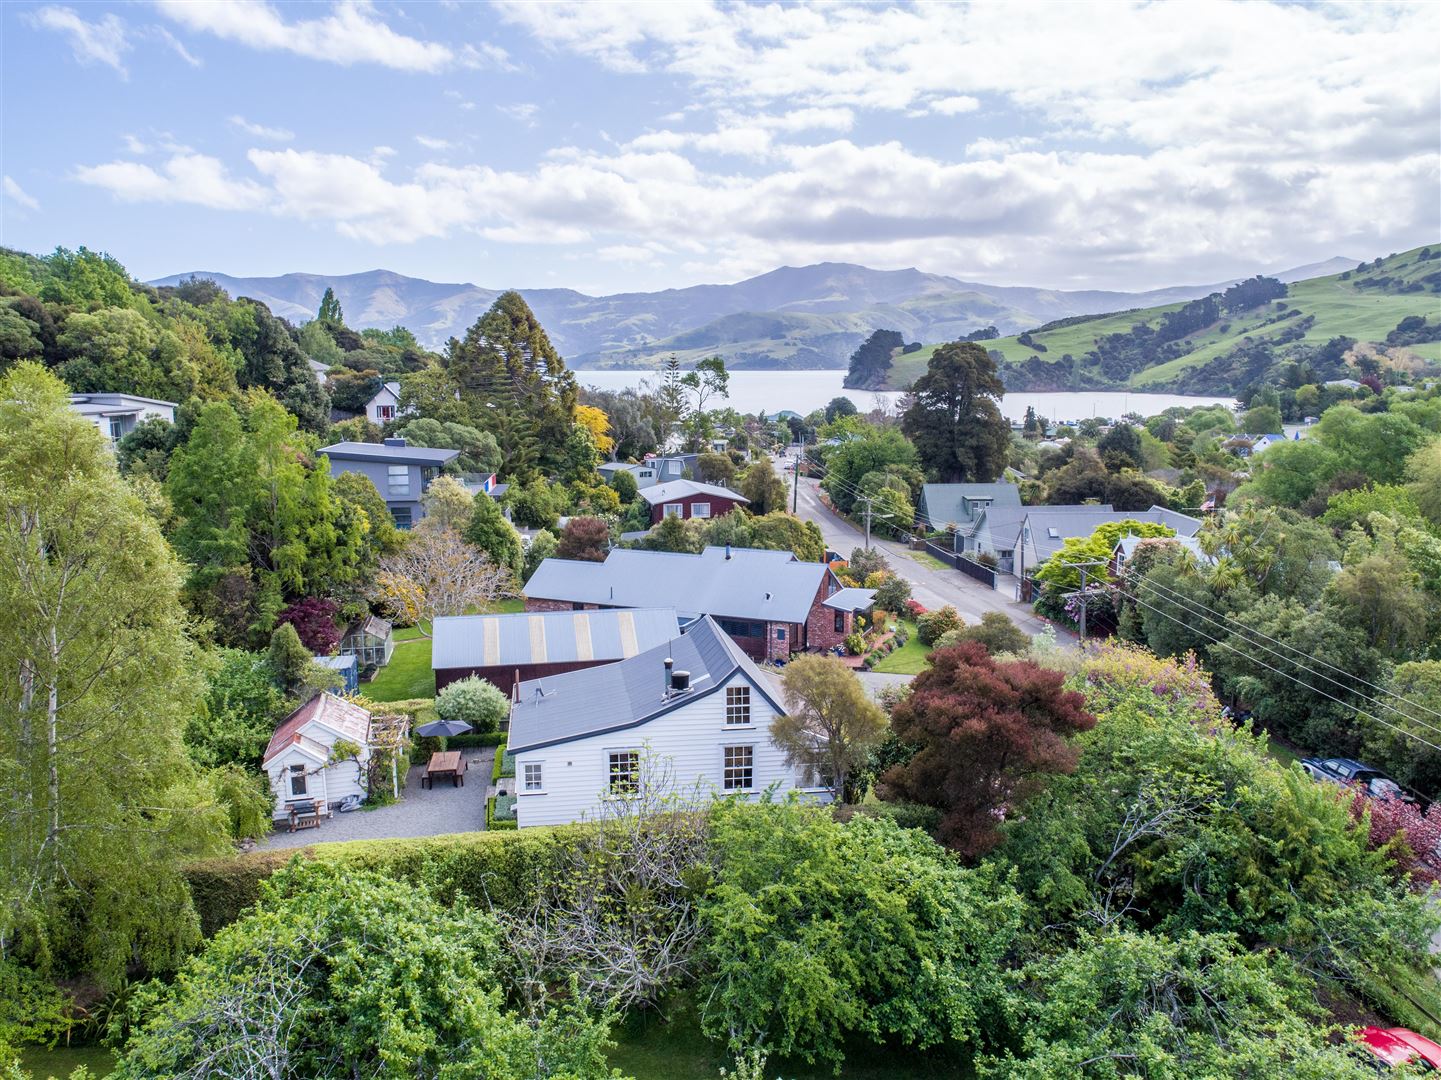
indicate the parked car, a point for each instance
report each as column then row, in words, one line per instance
column 1395, row 1047
column 1349, row 772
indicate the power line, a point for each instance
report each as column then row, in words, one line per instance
column 1194, row 609
column 1278, row 671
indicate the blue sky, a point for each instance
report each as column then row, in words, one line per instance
column 610, row 147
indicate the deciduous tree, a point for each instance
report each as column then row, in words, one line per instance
column 831, row 722
column 437, row 573
column 584, row 538
column 987, row 730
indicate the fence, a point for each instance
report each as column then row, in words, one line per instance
column 969, row 567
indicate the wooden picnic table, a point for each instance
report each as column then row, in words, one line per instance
column 445, row 763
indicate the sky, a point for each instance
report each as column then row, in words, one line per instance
column 612, row 147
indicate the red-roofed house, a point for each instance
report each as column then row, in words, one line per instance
column 299, row 759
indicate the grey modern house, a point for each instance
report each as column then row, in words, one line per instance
column 957, row 508
column 116, row 415
column 401, row 473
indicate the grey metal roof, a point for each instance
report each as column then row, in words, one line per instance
column 851, row 599
column 1044, row 521
column 947, row 504
column 625, row 694
column 398, row 455
column 749, row 584
column 680, row 489
column 336, row 663
column 1002, row 524
column 550, row 637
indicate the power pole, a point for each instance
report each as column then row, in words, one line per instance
column 1085, row 569
column 796, row 493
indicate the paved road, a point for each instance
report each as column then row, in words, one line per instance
column 933, row 588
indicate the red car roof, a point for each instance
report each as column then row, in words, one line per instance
column 1397, row 1046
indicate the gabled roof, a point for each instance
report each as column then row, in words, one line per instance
column 851, row 599
column 1050, row 529
column 745, row 583
column 1126, row 547
column 373, row 625
column 550, row 637
column 1003, row 523
column 952, row 504
column 392, row 387
column 395, row 455
column 682, row 489
column 628, row 693
column 345, row 718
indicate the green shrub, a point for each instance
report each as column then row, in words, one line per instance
column 478, row 703
column 500, row 813
column 854, row 644
column 487, row 869
column 498, row 763
column 933, row 624
column 475, row 740
column 507, row 763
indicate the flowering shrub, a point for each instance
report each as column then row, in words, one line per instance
column 1112, row 668
column 1414, row 837
column 916, row 608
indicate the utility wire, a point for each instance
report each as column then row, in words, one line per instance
column 1278, row 671
column 1195, row 609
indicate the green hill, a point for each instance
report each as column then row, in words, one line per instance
column 1317, row 323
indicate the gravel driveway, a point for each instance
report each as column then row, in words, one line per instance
column 420, row 811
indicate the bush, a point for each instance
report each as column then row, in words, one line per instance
column 916, row 608
column 475, row 740
column 474, row 701
column 935, row 623
column 998, row 634
column 894, row 591
column 314, row 621
column 854, row 644
column 488, row 870
column 500, row 813
column 499, row 763
column 904, row 814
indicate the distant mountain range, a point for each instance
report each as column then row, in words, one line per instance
column 793, row 317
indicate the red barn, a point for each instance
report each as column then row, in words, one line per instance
column 690, row 499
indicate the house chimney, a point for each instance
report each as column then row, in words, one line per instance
column 396, row 441
column 669, row 663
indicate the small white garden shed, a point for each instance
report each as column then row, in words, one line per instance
column 301, row 760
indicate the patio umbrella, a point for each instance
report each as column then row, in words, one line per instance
column 443, row 727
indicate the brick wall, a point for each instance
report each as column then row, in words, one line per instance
column 821, row 627
column 533, row 603
column 777, row 649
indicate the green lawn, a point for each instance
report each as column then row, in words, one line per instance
column 649, row 1048
column 409, row 674
column 909, row 659
column 927, row 559
column 63, row 1060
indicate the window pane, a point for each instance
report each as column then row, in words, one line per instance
column 533, row 779
column 840, row 622
column 625, row 772
column 738, row 705
column 738, row 772
column 297, row 779
column 398, row 480
column 700, row 510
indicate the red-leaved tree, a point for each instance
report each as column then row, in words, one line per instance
column 314, row 620
column 1416, row 835
column 586, row 538
column 986, row 731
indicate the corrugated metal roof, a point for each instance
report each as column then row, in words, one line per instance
column 334, row 712
column 681, row 489
column 549, row 637
column 744, row 583
column 1050, row 527
column 612, row 697
column 851, row 599
column 946, row 504
column 399, row 455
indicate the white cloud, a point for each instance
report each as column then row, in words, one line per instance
column 352, row 33
column 134, row 145
column 104, row 41
column 184, row 178
column 955, row 106
column 18, row 195
column 260, row 131
column 430, row 142
column 176, row 45
column 382, row 152
column 523, row 112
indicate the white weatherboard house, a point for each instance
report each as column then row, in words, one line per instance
column 704, row 718
column 298, row 759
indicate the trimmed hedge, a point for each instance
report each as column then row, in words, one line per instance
column 498, row 869
column 475, row 740
column 500, row 813
column 495, row 766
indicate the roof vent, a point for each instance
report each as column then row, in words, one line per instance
column 680, row 682
column 728, row 553
column 768, row 596
column 395, row 441
column 539, row 692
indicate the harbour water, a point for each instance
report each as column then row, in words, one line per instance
column 802, row 391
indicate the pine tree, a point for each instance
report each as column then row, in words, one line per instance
column 954, row 419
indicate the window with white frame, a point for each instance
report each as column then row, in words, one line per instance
column 398, row 480
column 738, row 705
column 533, row 776
column 700, row 510
column 675, row 509
column 624, row 772
column 297, row 780
column 385, row 412
column 738, row 768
